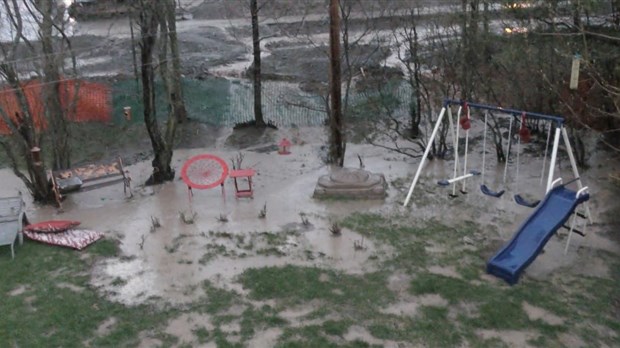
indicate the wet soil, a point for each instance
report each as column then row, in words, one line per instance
column 166, row 265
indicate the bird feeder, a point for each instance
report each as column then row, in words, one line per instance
column 127, row 113
column 574, row 72
column 284, row 147
column 36, row 155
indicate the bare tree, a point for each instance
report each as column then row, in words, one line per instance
column 24, row 145
column 176, row 90
column 259, row 121
column 337, row 142
column 153, row 14
column 59, row 131
column 148, row 20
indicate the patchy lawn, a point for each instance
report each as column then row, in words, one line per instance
column 430, row 290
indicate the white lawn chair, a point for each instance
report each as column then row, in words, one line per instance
column 11, row 221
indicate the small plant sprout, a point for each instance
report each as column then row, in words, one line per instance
column 304, row 219
column 187, row 219
column 222, row 218
column 335, row 229
column 142, row 240
column 237, row 161
column 155, row 224
column 359, row 244
column 263, row 212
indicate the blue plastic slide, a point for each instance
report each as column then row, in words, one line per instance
column 527, row 243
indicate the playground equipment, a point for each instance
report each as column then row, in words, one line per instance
column 524, row 137
column 465, row 123
column 483, row 187
column 203, row 172
column 551, row 214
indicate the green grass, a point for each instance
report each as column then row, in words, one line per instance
column 337, row 300
column 215, row 300
column 51, row 316
column 336, row 327
column 497, row 306
column 253, row 320
column 294, row 285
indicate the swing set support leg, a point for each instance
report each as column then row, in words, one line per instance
column 425, row 155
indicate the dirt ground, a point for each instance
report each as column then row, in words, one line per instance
column 166, row 265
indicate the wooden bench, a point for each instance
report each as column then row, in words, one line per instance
column 89, row 177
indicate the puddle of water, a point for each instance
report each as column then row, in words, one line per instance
column 535, row 313
column 184, row 325
column 265, row 338
column 19, row 290
column 411, row 305
column 357, row 332
column 512, row 338
column 166, row 263
column 445, row 271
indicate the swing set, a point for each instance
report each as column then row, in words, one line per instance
column 461, row 175
column 464, row 121
column 550, row 214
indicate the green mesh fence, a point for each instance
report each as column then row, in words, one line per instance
column 224, row 102
column 206, row 101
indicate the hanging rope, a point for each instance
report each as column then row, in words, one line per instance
column 524, row 136
column 518, row 157
column 484, row 144
column 508, row 147
column 483, row 187
column 542, row 173
column 465, row 122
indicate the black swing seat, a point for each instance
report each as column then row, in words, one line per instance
column 524, row 202
column 487, row 191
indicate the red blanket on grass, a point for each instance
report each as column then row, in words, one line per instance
column 76, row 239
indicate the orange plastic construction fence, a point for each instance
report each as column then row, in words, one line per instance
column 93, row 102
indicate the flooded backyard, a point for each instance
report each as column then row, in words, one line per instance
column 285, row 269
column 228, row 246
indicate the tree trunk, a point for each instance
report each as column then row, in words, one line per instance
column 169, row 78
column 336, row 141
column 576, row 14
column 416, row 110
column 162, row 170
column 58, row 129
column 25, row 139
column 256, row 70
column 615, row 10
column 178, row 102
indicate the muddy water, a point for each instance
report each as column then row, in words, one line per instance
column 171, row 261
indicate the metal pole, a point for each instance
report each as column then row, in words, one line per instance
column 466, row 149
column 573, row 164
column 534, row 115
column 484, row 144
column 425, row 155
column 455, row 140
column 554, row 155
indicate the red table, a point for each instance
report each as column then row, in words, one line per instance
column 243, row 173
